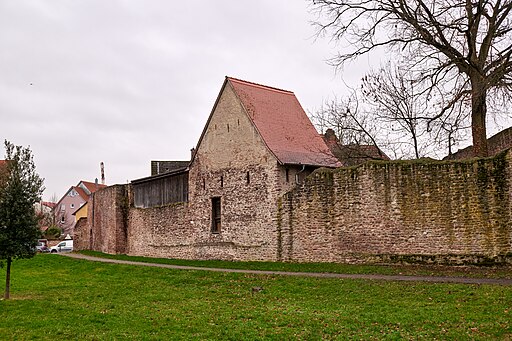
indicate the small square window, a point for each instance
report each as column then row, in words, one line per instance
column 72, row 205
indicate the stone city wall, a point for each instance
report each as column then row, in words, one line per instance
column 448, row 212
column 419, row 211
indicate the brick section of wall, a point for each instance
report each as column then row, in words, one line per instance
column 380, row 209
column 107, row 216
column 82, row 234
column 160, row 167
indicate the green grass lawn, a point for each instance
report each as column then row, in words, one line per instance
column 55, row 297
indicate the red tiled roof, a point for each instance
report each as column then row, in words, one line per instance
column 92, row 186
column 48, row 204
column 283, row 124
column 81, row 192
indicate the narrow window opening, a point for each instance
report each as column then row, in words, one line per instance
column 287, row 171
column 204, row 184
column 216, row 213
column 228, row 127
column 248, row 177
column 221, row 181
column 238, row 121
column 215, row 127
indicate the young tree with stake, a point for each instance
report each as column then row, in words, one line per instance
column 20, row 188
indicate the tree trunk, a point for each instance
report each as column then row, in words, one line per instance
column 8, row 279
column 478, row 116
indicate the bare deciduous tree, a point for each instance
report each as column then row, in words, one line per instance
column 397, row 103
column 355, row 127
column 350, row 124
column 464, row 44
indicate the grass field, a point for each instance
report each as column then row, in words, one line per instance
column 55, row 297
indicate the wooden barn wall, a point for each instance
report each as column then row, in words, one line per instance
column 161, row 191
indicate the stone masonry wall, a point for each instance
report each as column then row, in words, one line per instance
column 386, row 210
column 183, row 230
column 161, row 232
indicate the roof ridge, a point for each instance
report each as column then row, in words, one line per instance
column 259, row 85
column 92, row 183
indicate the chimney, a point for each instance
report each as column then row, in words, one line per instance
column 330, row 138
column 192, row 153
column 102, row 167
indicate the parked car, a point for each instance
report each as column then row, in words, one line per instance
column 42, row 245
column 63, row 246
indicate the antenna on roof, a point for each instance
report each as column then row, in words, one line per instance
column 102, row 167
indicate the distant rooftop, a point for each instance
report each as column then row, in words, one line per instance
column 90, row 187
column 496, row 143
column 352, row 154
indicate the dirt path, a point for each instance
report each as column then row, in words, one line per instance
column 433, row 279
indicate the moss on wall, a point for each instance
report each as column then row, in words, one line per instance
column 420, row 207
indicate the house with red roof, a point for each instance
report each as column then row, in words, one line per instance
column 71, row 201
column 251, row 127
column 352, row 154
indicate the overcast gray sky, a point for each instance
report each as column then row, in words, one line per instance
column 126, row 82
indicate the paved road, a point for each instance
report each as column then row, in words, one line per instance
column 432, row 279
